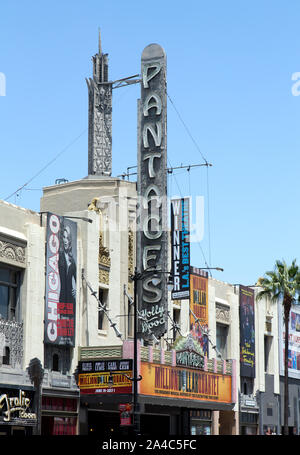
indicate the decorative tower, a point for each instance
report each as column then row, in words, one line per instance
column 100, row 117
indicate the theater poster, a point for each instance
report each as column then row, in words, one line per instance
column 199, row 307
column 247, row 332
column 294, row 341
column 61, row 265
column 180, row 235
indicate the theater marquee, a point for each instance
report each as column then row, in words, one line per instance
column 152, row 235
column 187, row 383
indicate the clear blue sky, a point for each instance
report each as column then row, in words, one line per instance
column 230, row 67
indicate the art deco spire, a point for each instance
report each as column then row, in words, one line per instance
column 100, row 117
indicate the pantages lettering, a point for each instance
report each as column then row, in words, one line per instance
column 152, row 191
column 189, row 359
column 11, row 405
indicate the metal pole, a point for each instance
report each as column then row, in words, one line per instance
column 136, row 420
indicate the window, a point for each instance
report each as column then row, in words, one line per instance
column 9, row 293
column 6, row 357
column 55, row 362
column 247, row 385
column 176, row 319
column 268, row 345
column 103, row 294
column 222, row 335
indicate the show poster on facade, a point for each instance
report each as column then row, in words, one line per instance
column 105, row 376
column 247, row 332
column 61, row 265
column 152, row 217
column 180, row 248
column 199, row 307
column 186, row 383
column 294, row 341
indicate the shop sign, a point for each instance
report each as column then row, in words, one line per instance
column 189, row 353
column 125, row 414
column 192, row 384
column 105, row 376
column 61, row 382
column 16, row 406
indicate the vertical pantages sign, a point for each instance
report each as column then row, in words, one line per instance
column 152, row 235
column 247, row 332
column 199, row 307
column 180, row 237
column 61, row 264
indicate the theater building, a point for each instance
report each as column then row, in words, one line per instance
column 22, row 294
column 173, row 399
column 202, row 379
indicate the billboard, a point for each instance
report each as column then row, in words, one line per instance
column 61, row 265
column 199, row 307
column 180, row 238
column 152, row 233
column 186, row 383
column 247, row 332
column 105, row 376
column 294, row 341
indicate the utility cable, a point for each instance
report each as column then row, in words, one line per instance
column 206, row 332
column 187, row 130
column 102, row 307
column 47, row 165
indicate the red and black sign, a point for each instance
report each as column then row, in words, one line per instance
column 60, row 301
column 105, row 376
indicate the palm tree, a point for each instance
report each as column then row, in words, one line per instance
column 282, row 284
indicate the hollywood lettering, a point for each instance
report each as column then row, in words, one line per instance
column 11, row 405
column 182, row 381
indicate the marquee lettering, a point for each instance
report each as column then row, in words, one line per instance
column 11, row 405
column 152, row 236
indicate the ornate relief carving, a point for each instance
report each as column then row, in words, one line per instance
column 103, row 276
column 222, row 314
column 13, row 334
column 104, row 256
column 104, row 261
column 100, row 117
column 12, row 253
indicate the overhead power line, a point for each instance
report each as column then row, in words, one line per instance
column 187, row 130
column 47, row 165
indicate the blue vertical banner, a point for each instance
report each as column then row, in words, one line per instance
column 247, row 332
column 180, row 235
